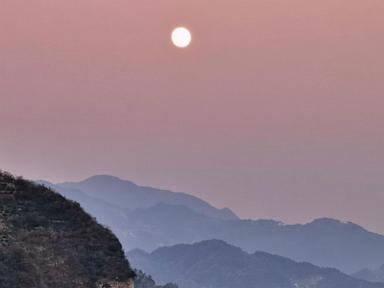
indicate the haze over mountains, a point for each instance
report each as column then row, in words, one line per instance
column 149, row 218
column 128, row 195
column 215, row 264
column 373, row 275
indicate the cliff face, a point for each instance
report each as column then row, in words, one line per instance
column 47, row 241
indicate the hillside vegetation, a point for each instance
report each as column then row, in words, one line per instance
column 47, row 241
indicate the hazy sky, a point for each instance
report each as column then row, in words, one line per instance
column 275, row 110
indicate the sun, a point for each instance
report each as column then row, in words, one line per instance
column 181, row 37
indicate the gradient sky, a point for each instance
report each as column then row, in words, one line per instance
column 275, row 110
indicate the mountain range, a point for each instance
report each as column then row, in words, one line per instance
column 149, row 218
column 130, row 196
column 61, row 228
column 216, row 264
column 49, row 241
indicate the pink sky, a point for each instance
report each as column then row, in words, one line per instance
column 276, row 110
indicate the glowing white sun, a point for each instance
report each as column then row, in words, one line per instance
column 181, row 37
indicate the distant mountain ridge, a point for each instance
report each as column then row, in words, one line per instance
column 128, row 195
column 141, row 221
column 216, row 264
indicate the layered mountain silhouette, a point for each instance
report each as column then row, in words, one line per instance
column 149, row 218
column 216, row 264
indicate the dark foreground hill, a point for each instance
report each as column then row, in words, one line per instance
column 173, row 219
column 215, row 264
column 48, row 241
